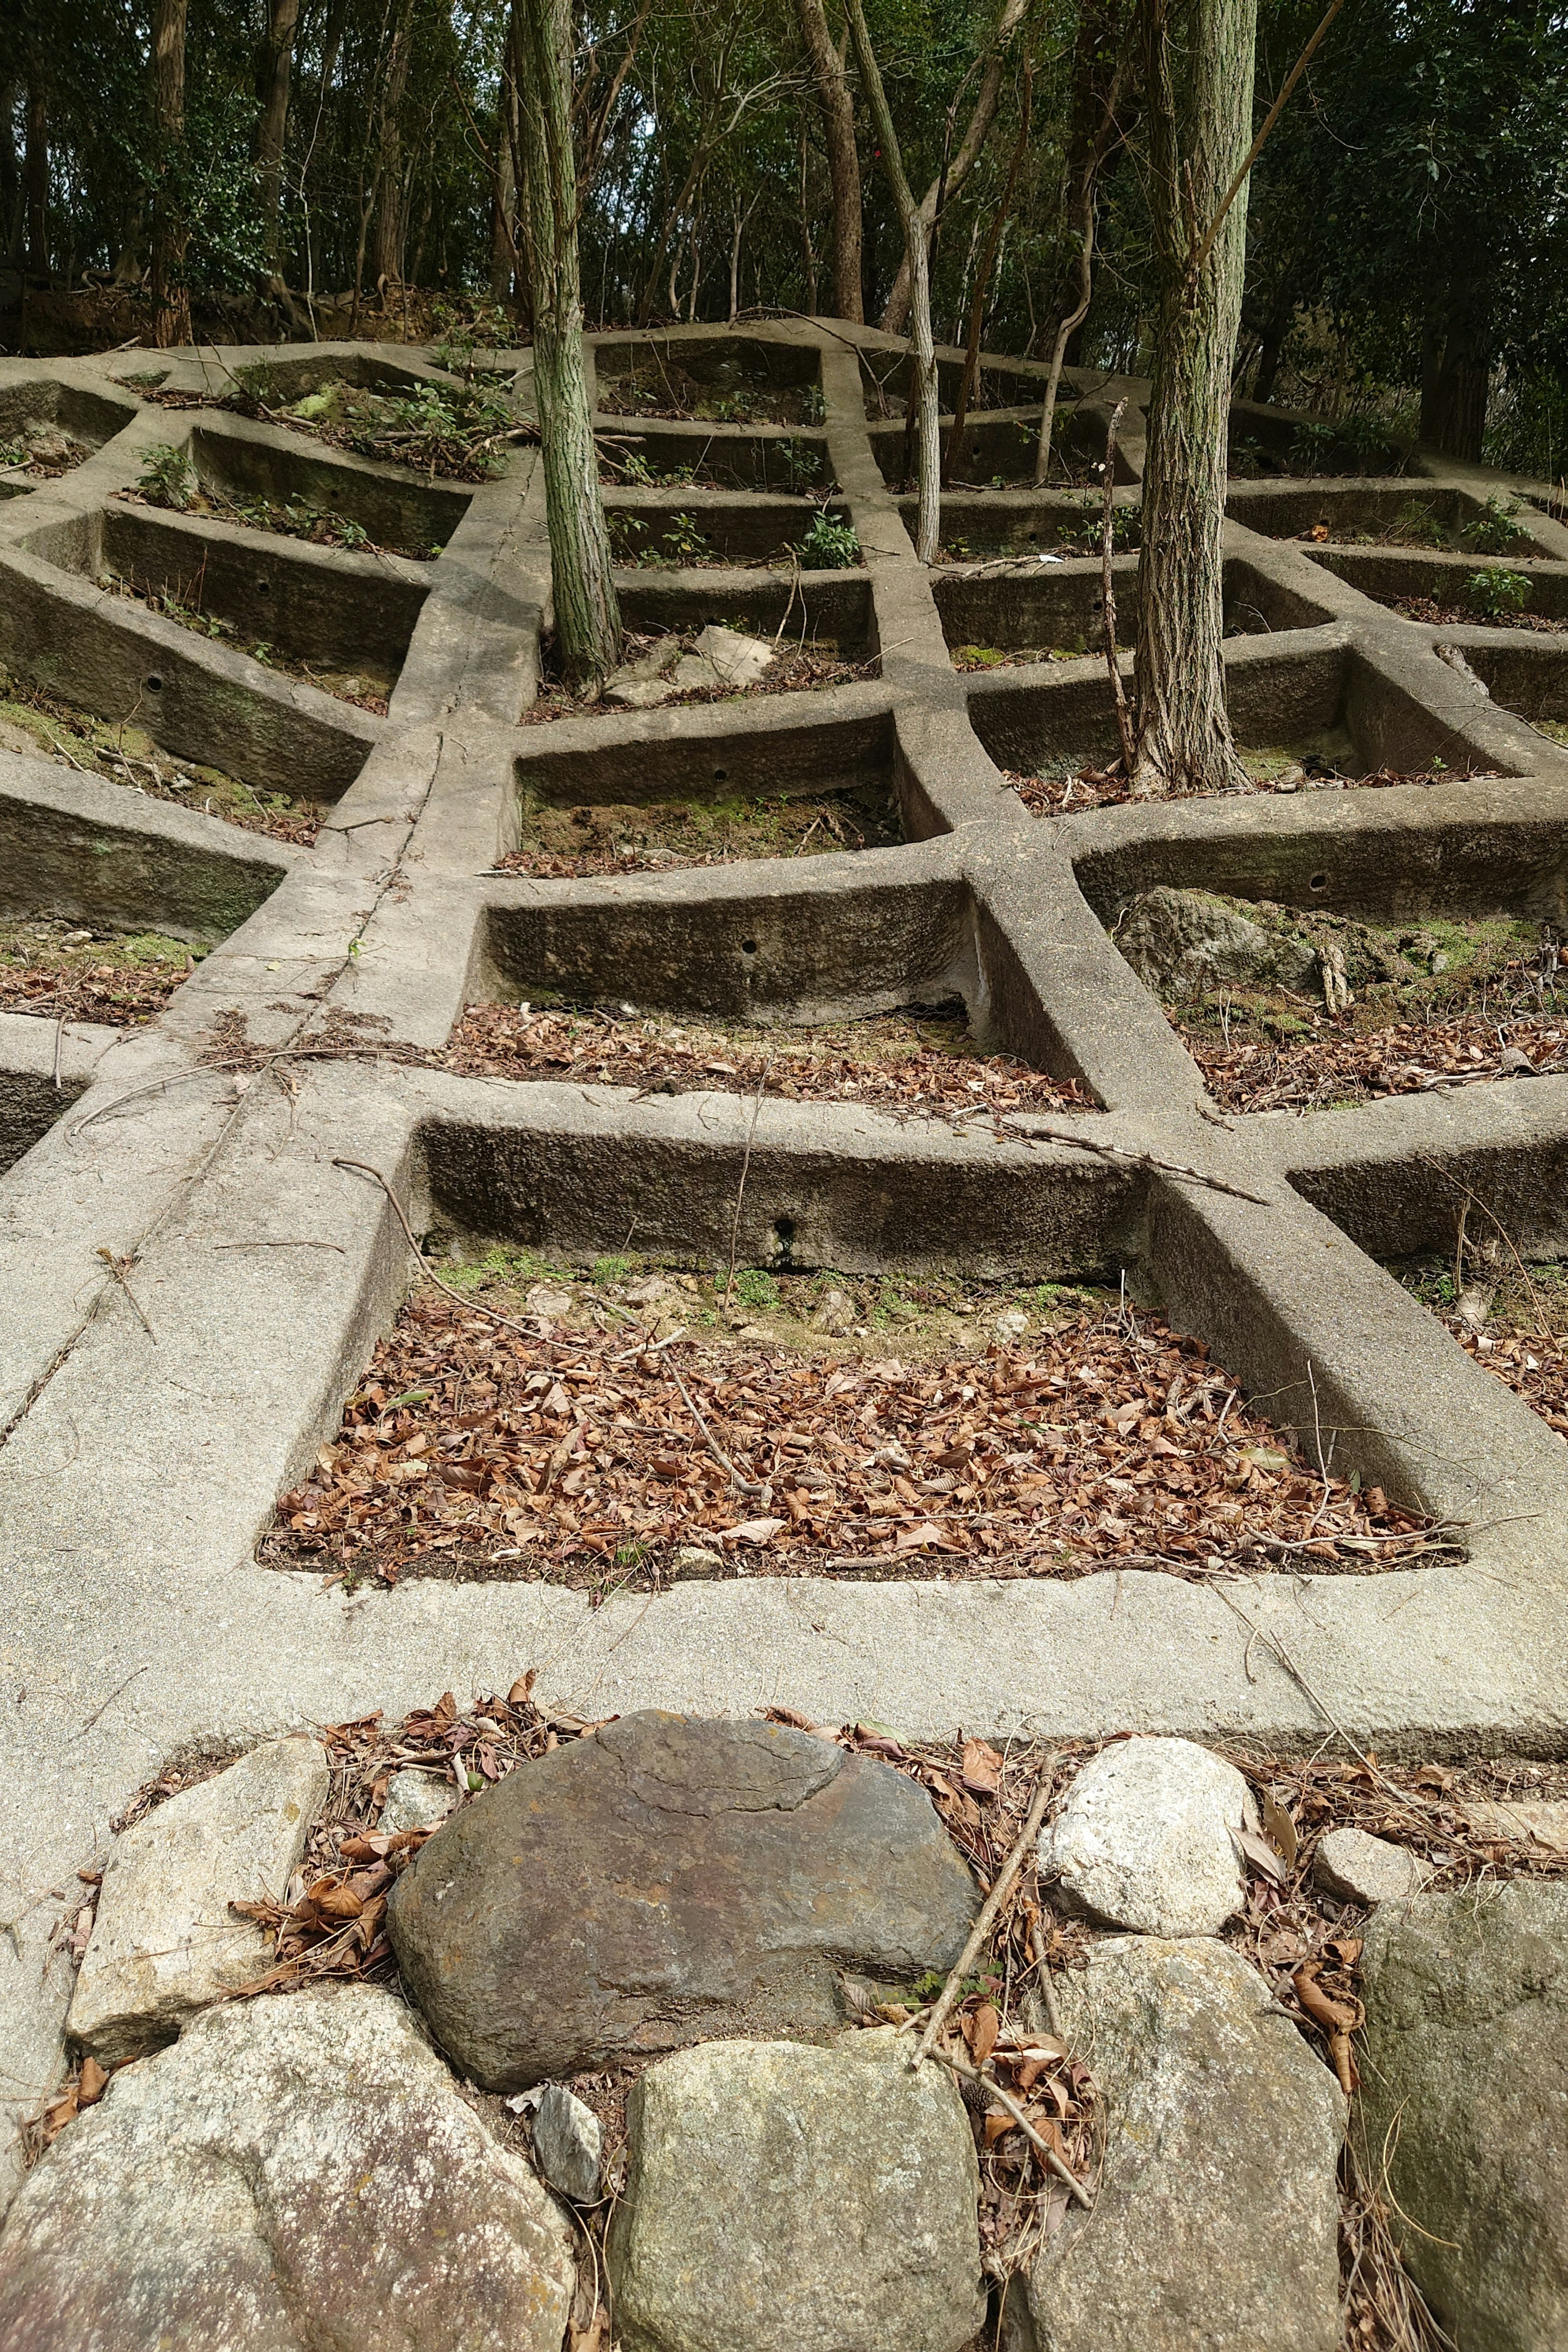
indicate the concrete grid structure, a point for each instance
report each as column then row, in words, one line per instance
column 138, row 1468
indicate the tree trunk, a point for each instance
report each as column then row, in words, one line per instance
column 1199, row 130
column 272, row 89
column 843, row 160
column 588, row 617
column 171, row 296
column 36, row 167
column 388, row 234
column 1095, row 131
column 1457, row 361
column 987, row 271
column 961, row 164
column 503, row 219
column 922, row 353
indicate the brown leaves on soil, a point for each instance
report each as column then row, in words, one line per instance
column 1106, row 787
column 1429, row 610
column 47, row 977
column 1535, row 1369
column 900, row 1062
column 470, row 1451
column 1342, row 1063
column 795, row 669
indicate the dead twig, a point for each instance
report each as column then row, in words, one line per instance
column 117, row 1266
column 1003, row 1886
column 474, row 1305
column 1146, row 1160
column 993, row 2090
column 745, row 1165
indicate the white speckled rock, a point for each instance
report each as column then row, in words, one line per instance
column 298, row 2172
column 1216, row 2222
column 1143, row 1837
column 568, row 2142
column 785, row 2198
column 415, row 1800
column 166, row 1943
column 1360, row 1868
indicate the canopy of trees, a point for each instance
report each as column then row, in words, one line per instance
column 1406, row 223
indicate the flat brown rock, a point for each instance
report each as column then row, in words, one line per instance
column 667, row 1881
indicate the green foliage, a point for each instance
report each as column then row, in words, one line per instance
column 756, row 1290
column 830, row 545
column 793, row 465
column 685, row 543
column 167, row 478
column 1497, row 592
column 610, row 1269
column 1496, row 532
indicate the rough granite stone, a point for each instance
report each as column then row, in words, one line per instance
column 1180, row 942
column 298, row 2172
column 1529, row 1821
column 1143, row 1837
column 780, row 2198
column 1216, row 2217
column 1465, row 2096
column 665, row 1880
column 568, row 2143
column 165, row 1942
column 1359, row 1868
column 415, row 1800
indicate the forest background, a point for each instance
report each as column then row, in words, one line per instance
column 349, row 166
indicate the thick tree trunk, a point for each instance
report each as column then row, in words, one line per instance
column 1457, row 361
column 36, row 169
column 171, row 296
column 272, row 89
column 961, row 164
column 1198, row 102
column 389, row 228
column 843, row 160
column 588, row 617
column 922, row 353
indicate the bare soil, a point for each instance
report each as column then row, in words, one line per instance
column 63, row 971
column 366, row 687
column 796, row 668
column 612, row 838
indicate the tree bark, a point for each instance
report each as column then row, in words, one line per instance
column 389, row 228
column 36, row 170
column 1198, row 107
column 272, row 89
column 922, row 353
column 588, row 617
column 1094, row 133
column 503, row 193
column 983, row 278
column 171, row 296
column 963, row 163
column 843, row 159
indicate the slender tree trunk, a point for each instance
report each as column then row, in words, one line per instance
column 983, row 282
column 948, row 182
column 922, row 353
column 36, row 167
column 843, row 160
column 1102, row 136
column 272, row 89
column 503, row 221
column 389, row 227
column 588, row 617
column 11, row 179
column 1198, row 100
column 171, row 296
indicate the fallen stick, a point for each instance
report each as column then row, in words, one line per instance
column 989, row 2084
column 1145, row 1160
column 1000, row 1891
column 475, row 1305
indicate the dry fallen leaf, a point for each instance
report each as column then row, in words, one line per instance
column 1279, row 1829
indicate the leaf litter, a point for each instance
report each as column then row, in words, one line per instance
column 571, row 1443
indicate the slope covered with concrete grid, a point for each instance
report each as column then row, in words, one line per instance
column 193, row 1283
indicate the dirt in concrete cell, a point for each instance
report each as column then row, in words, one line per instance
column 797, row 667
column 368, row 688
column 658, row 385
column 1286, row 1008
column 322, row 526
column 1060, row 1434
column 41, row 452
column 1510, row 1315
column 448, row 431
column 1487, row 609
column 919, row 1062
column 1073, row 536
column 608, row 838
column 1325, row 762
column 36, row 724
column 58, row 968
column 1418, row 523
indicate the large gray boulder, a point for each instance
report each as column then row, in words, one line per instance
column 1144, row 1837
column 297, row 2173
column 1216, row 2218
column 782, row 2198
column 1180, row 942
column 165, row 1942
column 668, row 1880
column 1465, row 2097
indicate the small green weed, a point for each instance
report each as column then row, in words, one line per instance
column 1498, row 532
column 755, row 1288
column 1498, row 593
column 610, row 1269
column 167, row 478
column 830, row 545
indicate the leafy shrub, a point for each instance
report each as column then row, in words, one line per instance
column 685, row 542
column 167, row 479
column 754, row 1289
column 1496, row 532
column 1497, row 592
column 830, row 545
